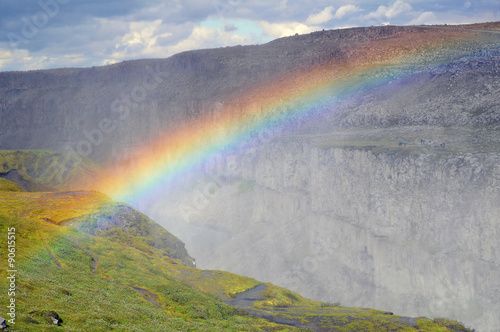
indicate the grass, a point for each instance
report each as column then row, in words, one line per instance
column 329, row 304
column 220, row 283
column 51, row 207
column 340, row 318
column 44, row 170
column 441, row 325
column 281, row 297
column 103, row 297
column 6, row 185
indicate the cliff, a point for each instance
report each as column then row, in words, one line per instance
column 108, row 112
column 411, row 231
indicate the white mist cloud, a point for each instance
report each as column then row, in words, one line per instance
column 345, row 10
column 394, row 10
column 425, row 18
column 284, row 29
column 322, row 17
column 203, row 37
column 142, row 37
column 397, row 8
column 146, row 39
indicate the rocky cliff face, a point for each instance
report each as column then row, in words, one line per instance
column 114, row 109
column 415, row 234
column 110, row 111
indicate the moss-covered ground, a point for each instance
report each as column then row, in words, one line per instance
column 44, row 170
column 6, row 185
column 111, row 281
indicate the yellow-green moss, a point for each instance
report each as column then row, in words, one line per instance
column 6, row 185
column 43, row 170
column 51, row 207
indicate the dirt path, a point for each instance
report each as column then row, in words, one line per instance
column 95, row 261
column 148, row 296
column 315, row 322
column 410, row 321
column 247, row 298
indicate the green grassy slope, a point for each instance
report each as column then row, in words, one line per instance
column 43, row 170
column 6, row 185
column 111, row 279
column 98, row 265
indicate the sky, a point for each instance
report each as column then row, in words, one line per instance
column 43, row 34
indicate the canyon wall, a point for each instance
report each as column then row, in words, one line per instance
column 416, row 234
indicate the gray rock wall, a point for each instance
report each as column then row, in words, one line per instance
column 417, row 235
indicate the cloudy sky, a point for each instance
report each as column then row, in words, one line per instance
column 39, row 34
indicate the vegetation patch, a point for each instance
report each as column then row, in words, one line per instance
column 6, row 185
column 44, row 170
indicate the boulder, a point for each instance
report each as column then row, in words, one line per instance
column 3, row 323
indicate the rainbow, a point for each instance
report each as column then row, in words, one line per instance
column 315, row 89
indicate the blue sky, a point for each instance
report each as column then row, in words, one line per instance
column 40, row 34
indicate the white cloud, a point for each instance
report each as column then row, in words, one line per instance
column 394, row 10
column 345, row 10
column 203, row 37
column 379, row 13
column 6, row 56
column 146, row 40
column 278, row 30
column 26, row 60
column 142, row 36
column 425, row 18
column 453, row 18
column 161, row 28
column 397, row 8
column 322, row 17
column 282, row 5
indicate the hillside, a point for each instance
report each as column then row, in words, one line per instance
column 86, row 263
column 44, row 170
